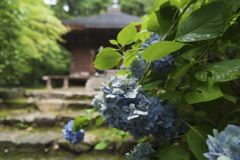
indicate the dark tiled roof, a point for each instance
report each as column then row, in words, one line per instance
column 107, row 20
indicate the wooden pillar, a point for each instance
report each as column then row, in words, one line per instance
column 49, row 83
column 65, row 83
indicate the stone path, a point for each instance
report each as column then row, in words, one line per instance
column 31, row 128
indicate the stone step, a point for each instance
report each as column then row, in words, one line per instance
column 46, row 104
column 32, row 117
column 45, row 143
column 59, row 94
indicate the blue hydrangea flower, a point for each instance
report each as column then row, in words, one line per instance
column 153, row 38
column 98, row 101
column 143, row 151
column 128, row 108
column 224, row 145
column 167, row 120
column 74, row 137
column 162, row 65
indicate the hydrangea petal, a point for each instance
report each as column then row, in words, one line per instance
column 140, row 112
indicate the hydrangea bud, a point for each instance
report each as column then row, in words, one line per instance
column 224, row 145
column 74, row 137
column 141, row 151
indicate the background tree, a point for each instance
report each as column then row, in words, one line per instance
column 29, row 32
column 83, row 8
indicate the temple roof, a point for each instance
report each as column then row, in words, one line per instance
column 107, row 20
column 113, row 18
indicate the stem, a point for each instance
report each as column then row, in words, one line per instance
column 207, row 119
column 119, row 47
column 235, row 88
column 135, row 49
column 180, row 136
column 179, row 122
column 204, row 53
column 174, row 23
column 145, row 72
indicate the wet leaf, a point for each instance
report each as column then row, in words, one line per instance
column 161, row 20
column 203, row 91
column 224, row 122
column 167, row 152
column 152, row 85
column 207, row 22
column 219, row 71
column 196, row 138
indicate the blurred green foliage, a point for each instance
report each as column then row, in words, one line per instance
column 85, row 7
column 29, row 33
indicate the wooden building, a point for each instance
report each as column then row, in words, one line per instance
column 87, row 35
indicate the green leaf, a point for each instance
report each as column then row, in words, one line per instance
column 167, row 152
column 160, row 49
column 196, row 138
column 163, row 3
column 193, row 52
column 102, row 145
column 127, row 35
column 143, row 35
column 210, row 107
column 90, row 110
column 123, row 72
column 220, row 71
column 177, row 73
column 203, row 91
column 107, row 59
column 99, row 120
column 113, row 42
column 104, row 50
column 184, row 3
column 224, row 122
column 142, row 140
column 151, row 85
column 153, row 76
column 129, row 57
column 79, row 122
column 232, row 31
column 230, row 98
column 88, row 116
column 124, row 137
column 172, row 96
column 161, row 20
column 207, row 22
column 171, row 84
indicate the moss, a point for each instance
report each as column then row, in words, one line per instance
column 51, row 155
column 21, row 125
column 38, row 90
column 104, row 156
column 44, row 129
column 3, row 113
column 19, row 100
